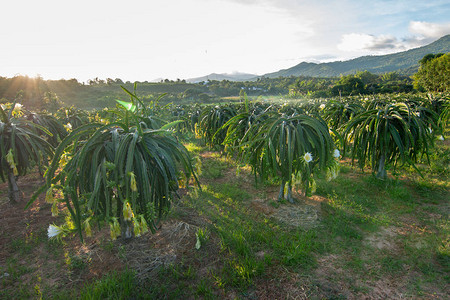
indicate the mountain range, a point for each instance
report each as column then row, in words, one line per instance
column 224, row 76
column 405, row 62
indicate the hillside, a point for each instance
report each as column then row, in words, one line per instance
column 220, row 77
column 404, row 62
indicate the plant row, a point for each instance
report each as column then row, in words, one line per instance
column 124, row 166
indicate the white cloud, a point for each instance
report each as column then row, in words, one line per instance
column 367, row 42
column 422, row 33
column 429, row 30
column 425, row 33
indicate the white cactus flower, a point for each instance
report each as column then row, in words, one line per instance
column 18, row 107
column 308, row 157
column 68, row 127
column 53, row 231
column 336, row 153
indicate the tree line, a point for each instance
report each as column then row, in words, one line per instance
column 40, row 94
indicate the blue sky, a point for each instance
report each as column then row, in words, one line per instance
column 144, row 40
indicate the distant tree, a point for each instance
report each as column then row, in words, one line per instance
column 390, row 76
column 203, row 97
column 73, row 82
column 433, row 74
column 429, row 57
column 347, row 85
column 96, row 81
column 190, row 93
column 367, row 77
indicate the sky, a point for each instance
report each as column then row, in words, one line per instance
column 142, row 40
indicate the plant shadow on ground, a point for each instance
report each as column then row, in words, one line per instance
column 357, row 237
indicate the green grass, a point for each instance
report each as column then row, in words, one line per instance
column 22, row 246
column 194, row 148
column 115, row 285
column 15, row 269
column 242, row 235
column 178, row 281
column 357, row 206
column 215, row 167
column 11, row 274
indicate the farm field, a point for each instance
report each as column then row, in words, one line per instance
column 356, row 237
column 226, row 229
column 225, row 150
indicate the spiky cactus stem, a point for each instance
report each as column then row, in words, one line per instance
column 127, row 230
column 381, row 172
column 289, row 193
column 288, row 196
column 14, row 193
column 281, row 193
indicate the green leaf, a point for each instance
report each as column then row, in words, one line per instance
column 171, row 124
column 129, row 106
